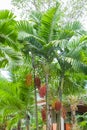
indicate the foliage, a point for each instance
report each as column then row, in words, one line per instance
column 47, row 47
column 16, row 99
column 82, row 121
column 8, row 38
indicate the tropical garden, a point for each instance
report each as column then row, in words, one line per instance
column 45, row 59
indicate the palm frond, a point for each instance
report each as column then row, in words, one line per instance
column 69, row 30
column 8, row 33
column 77, row 65
column 70, row 53
column 48, row 23
column 3, row 62
column 35, row 17
column 8, row 54
column 13, row 120
column 11, row 100
column 76, row 25
column 74, row 82
column 25, row 26
column 27, row 31
column 6, row 14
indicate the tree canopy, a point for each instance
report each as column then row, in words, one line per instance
column 40, row 47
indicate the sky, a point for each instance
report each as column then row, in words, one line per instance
column 5, row 74
column 5, row 4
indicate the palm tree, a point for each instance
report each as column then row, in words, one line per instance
column 49, row 41
column 38, row 40
column 69, row 55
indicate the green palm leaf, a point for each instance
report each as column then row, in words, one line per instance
column 8, row 55
column 70, row 53
column 69, row 30
column 27, row 31
column 8, row 32
column 6, row 14
column 48, row 23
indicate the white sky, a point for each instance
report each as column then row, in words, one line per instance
column 5, row 74
column 5, row 4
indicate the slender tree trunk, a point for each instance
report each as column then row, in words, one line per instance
column 73, row 116
column 47, row 107
column 36, row 109
column 19, row 125
column 58, row 120
column 27, row 127
column 61, row 83
column 27, row 122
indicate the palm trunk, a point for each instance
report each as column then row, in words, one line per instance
column 47, row 107
column 36, row 109
column 61, row 83
column 19, row 125
column 58, row 120
column 27, row 122
column 35, row 92
column 73, row 116
column 27, row 127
